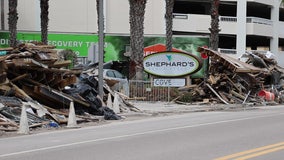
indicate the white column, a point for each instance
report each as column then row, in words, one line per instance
column 275, row 20
column 38, row 19
column 241, row 26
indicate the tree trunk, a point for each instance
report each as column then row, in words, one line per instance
column 44, row 20
column 214, row 30
column 2, row 15
column 100, row 10
column 169, row 24
column 12, row 21
column 136, row 20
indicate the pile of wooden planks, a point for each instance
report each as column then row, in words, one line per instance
column 36, row 76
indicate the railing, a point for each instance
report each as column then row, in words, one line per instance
column 228, row 19
column 180, row 16
column 146, row 91
column 255, row 20
column 227, row 51
column 233, row 51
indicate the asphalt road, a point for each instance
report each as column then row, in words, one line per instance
column 251, row 134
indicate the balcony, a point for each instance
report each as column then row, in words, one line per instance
column 194, row 23
column 233, row 53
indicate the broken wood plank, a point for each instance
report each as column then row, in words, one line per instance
column 19, row 77
column 237, row 94
column 20, row 93
column 216, row 93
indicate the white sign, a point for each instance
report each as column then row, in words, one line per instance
column 169, row 82
column 171, row 64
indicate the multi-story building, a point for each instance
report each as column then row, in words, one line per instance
column 245, row 24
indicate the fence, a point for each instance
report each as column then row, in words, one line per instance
column 146, row 91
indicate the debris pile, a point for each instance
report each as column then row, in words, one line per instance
column 36, row 76
column 231, row 81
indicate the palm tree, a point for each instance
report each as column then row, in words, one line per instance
column 214, row 30
column 136, row 20
column 44, row 6
column 2, row 14
column 12, row 21
column 101, row 44
column 169, row 24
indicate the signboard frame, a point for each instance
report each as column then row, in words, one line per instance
column 171, row 64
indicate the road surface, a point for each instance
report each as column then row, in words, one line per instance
column 247, row 134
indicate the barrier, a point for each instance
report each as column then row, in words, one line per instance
column 72, row 122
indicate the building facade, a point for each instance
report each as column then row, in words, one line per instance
column 245, row 24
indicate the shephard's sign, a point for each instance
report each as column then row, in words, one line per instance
column 171, row 64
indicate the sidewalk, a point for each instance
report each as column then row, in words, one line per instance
column 165, row 107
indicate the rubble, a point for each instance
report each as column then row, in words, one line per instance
column 258, row 80
column 37, row 77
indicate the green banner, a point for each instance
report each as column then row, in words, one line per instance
column 115, row 46
column 79, row 43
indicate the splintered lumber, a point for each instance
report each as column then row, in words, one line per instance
column 29, row 62
column 9, row 129
column 59, row 64
column 216, row 93
column 20, row 93
column 231, row 63
column 3, row 66
column 238, row 95
column 232, row 98
column 19, row 77
column 223, row 96
column 6, row 49
column 7, row 122
column 3, row 77
column 212, row 79
column 5, row 89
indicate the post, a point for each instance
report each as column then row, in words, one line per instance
column 169, row 91
column 101, row 46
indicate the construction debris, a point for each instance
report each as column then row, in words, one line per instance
column 35, row 79
column 258, row 80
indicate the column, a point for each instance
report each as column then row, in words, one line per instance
column 241, row 27
column 275, row 24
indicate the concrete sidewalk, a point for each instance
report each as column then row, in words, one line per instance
column 148, row 109
column 165, row 107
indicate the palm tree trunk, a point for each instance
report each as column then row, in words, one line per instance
column 2, row 15
column 136, row 20
column 44, row 20
column 169, row 24
column 12, row 21
column 101, row 44
column 214, row 30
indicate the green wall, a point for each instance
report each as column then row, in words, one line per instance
column 115, row 46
